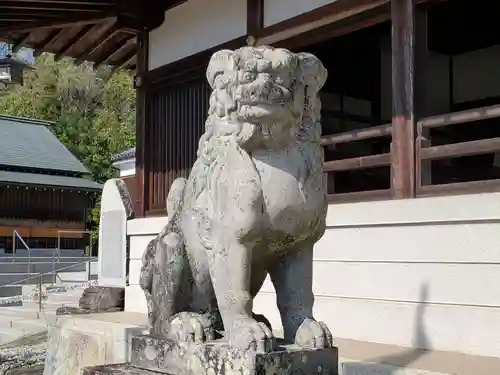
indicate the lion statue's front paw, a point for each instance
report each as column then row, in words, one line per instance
column 190, row 328
column 314, row 335
column 249, row 334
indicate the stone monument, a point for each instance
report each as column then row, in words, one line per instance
column 109, row 295
column 254, row 205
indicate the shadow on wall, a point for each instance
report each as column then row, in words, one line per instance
column 389, row 365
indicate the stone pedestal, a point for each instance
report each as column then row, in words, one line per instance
column 151, row 355
column 79, row 341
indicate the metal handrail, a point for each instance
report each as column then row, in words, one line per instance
column 40, row 283
column 47, row 259
column 41, row 274
column 15, row 234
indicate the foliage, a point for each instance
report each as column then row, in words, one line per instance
column 93, row 110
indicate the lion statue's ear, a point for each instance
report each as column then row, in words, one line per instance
column 314, row 74
column 220, row 63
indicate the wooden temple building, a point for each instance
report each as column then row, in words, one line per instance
column 411, row 134
column 44, row 196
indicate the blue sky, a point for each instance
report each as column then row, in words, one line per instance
column 25, row 53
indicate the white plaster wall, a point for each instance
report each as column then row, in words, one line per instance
column 418, row 273
column 139, row 232
column 276, row 10
column 126, row 167
column 195, row 26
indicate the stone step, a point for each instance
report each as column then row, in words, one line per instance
column 40, row 324
column 40, row 267
column 23, row 312
column 52, row 303
column 9, row 313
column 35, row 323
column 24, row 278
column 8, row 334
column 32, row 370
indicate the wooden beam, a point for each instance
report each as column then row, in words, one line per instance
column 54, row 6
column 141, row 164
column 423, row 173
column 50, row 24
column 68, row 2
column 357, row 135
column 62, row 53
column 455, row 150
column 124, row 45
column 46, row 41
column 317, row 18
column 98, row 42
column 255, row 18
column 19, row 43
column 403, row 117
column 14, row 19
column 48, row 12
column 360, row 162
column 125, row 60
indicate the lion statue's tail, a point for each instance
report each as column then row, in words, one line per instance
column 175, row 197
column 174, row 206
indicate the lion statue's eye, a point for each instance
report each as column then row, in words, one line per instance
column 247, row 77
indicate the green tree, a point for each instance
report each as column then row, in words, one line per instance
column 93, row 110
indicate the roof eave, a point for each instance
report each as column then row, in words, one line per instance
column 55, row 187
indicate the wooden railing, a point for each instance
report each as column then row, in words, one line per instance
column 425, row 153
column 360, row 162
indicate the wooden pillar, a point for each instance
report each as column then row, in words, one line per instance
column 404, row 89
column 141, row 162
column 423, row 168
column 255, row 19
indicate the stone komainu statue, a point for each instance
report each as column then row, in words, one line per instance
column 254, row 205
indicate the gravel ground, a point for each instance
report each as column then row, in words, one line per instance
column 24, row 356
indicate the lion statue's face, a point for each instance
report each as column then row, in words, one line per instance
column 262, row 85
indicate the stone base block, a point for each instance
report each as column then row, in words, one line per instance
column 102, row 298
column 68, row 310
column 78, row 341
column 97, row 299
column 118, row 369
column 218, row 358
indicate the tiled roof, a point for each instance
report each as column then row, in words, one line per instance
column 27, row 143
column 39, row 179
column 124, row 155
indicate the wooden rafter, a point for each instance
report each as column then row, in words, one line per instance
column 66, row 2
column 51, row 6
column 58, row 25
column 46, row 41
column 50, row 24
column 51, row 13
column 98, row 43
column 70, row 43
column 124, row 45
column 125, row 60
column 20, row 42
